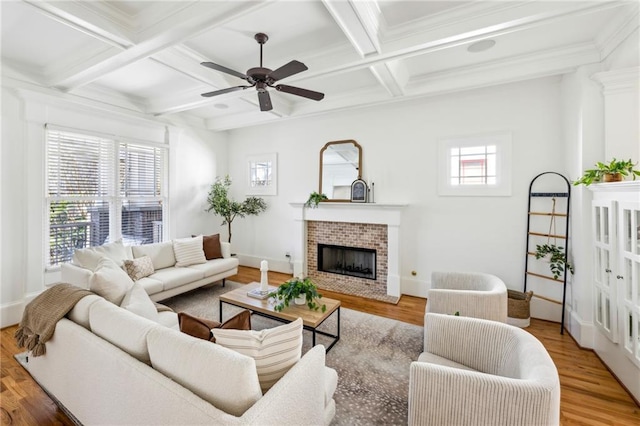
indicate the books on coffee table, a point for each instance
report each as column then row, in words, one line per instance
column 258, row 294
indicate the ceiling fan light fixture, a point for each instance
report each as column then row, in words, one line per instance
column 262, row 78
column 481, row 46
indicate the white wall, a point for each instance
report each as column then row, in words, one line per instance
column 399, row 144
column 196, row 157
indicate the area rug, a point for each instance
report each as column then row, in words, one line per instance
column 372, row 357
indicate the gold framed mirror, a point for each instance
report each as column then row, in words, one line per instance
column 340, row 165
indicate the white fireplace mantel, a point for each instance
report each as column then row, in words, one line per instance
column 386, row 214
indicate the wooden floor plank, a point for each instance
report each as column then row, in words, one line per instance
column 590, row 395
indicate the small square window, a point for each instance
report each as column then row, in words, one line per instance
column 475, row 165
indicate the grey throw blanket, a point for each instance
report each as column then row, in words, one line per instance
column 43, row 313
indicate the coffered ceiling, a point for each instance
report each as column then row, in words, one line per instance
column 144, row 56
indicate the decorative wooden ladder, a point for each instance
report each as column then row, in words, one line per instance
column 534, row 234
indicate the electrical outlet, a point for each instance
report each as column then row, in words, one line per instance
column 287, row 254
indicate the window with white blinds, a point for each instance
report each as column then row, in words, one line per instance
column 100, row 189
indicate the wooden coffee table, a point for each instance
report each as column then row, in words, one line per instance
column 311, row 319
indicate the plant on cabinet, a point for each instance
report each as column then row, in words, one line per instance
column 613, row 171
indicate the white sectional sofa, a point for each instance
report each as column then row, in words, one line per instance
column 107, row 365
column 167, row 279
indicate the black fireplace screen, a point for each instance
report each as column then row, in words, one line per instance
column 352, row 261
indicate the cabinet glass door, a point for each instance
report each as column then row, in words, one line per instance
column 628, row 277
column 605, row 307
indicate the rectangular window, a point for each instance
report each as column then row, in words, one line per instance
column 475, row 165
column 100, row 189
column 262, row 174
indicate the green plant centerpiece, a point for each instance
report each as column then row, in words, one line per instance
column 613, row 171
column 557, row 258
column 222, row 205
column 297, row 288
column 315, row 199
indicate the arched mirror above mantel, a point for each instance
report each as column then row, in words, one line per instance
column 340, row 165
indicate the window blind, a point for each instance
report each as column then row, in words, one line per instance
column 100, row 189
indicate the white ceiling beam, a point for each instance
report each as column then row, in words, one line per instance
column 519, row 24
column 190, row 22
column 360, row 23
column 346, row 17
column 509, row 70
column 387, row 77
column 75, row 15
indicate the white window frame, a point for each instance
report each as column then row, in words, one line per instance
column 272, row 187
column 502, row 187
column 115, row 199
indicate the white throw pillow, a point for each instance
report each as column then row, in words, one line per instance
column 110, row 281
column 189, row 251
column 138, row 301
column 115, row 251
column 139, row 268
column 87, row 258
column 275, row 350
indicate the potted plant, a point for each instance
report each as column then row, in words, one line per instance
column 314, row 199
column 613, row 171
column 302, row 289
column 229, row 209
column 556, row 256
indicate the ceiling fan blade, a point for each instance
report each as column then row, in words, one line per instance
column 287, row 70
column 225, row 70
column 265, row 101
column 222, row 91
column 316, row 96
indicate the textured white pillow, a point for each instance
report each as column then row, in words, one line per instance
column 138, row 301
column 189, row 251
column 110, row 281
column 275, row 350
column 139, row 268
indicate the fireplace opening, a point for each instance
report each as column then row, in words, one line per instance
column 352, row 261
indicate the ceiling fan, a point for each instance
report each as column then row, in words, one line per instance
column 261, row 78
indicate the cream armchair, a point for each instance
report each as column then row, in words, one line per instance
column 473, row 294
column 479, row 372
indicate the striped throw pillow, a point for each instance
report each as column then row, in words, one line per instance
column 275, row 350
column 188, row 251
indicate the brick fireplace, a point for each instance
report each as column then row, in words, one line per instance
column 366, row 225
column 371, row 236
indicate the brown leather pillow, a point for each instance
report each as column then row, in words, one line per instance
column 211, row 246
column 201, row 328
column 196, row 327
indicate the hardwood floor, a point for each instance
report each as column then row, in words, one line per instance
column 590, row 395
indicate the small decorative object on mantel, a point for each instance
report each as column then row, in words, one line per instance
column 359, row 191
column 614, row 171
column 294, row 288
column 315, row 199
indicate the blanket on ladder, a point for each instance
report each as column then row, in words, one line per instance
column 41, row 315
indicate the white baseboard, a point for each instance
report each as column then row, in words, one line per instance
column 11, row 313
column 414, row 287
column 582, row 331
column 276, row 265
